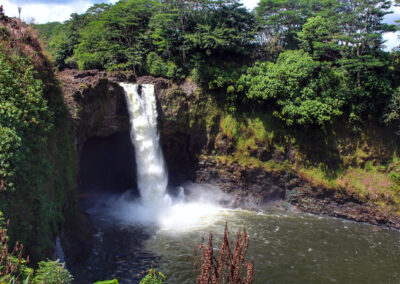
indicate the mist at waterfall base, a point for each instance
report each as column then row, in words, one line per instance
column 199, row 207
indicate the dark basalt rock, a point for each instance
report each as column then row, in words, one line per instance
column 96, row 103
column 77, row 237
column 314, row 200
column 251, row 187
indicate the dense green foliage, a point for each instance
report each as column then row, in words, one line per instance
column 339, row 70
column 24, row 114
column 52, row 272
column 302, row 91
column 14, row 267
column 49, row 30
column 36, row 153
column 114, row 281
column 316, row 61
column 153, row 277
column 170, row 39
column 357, row 24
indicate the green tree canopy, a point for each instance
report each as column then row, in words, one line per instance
column 302, row 91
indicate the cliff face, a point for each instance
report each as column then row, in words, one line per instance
column 199, row 144
column 98, row 109
column 96, row 103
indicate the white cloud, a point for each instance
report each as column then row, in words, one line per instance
column 250, row 4
column 45, row 12
column 391, row 18
column 392, row 40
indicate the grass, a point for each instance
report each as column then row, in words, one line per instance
column 249, row 133
column 357, row 166
column 269, row 166
column 317, row 177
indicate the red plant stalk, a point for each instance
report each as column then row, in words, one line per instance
column 230, row 267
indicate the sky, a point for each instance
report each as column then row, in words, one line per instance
column 43, row 11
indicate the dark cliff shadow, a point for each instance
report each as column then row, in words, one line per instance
column 183, row 136
column 107, row 165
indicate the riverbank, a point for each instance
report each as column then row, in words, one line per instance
column 254, row 188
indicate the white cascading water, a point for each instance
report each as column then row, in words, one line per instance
column 156, row 205
column 152, row 176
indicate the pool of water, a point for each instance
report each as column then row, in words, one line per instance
column 287, row 247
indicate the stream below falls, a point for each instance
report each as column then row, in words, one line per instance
column 287, row 247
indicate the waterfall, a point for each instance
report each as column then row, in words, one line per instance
column 152, row 175
column 156, row 206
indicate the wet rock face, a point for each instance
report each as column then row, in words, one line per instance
column 183, row 136
column 250, row 187
column 77, row 237
column 253, row 188
column 98, row 108
column 307, row 198
column 96, row 103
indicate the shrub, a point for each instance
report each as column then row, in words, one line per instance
column 88, row 61
column 392, row 112
column 52, row 272
column 114, row 281
column 161, row 68
column 231, row 266
column 156, row 65
column 12, row 265
column 300, row 90
column 153, row 277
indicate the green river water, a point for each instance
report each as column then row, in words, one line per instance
column 292, row 248
column 287, row 247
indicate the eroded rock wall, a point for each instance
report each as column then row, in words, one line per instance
column 96, row 103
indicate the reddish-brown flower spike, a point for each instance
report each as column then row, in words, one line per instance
column 231, row 267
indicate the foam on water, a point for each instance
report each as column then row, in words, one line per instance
column 180, row 216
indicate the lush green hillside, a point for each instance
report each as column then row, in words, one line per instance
column 37, row 166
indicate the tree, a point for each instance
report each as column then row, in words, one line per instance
column 64, row 39
column 117, row 39
column 300, row 90
column 282, row 19
column 319, row 39
column 362, row 25
column 230, row 28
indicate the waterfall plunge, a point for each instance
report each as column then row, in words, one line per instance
column 152, row 176
column 156, row 206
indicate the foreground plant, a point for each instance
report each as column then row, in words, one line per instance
column 153, row 277
column 230, row 267
column 114, row 281
column 52, row 272
column 14, row 269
